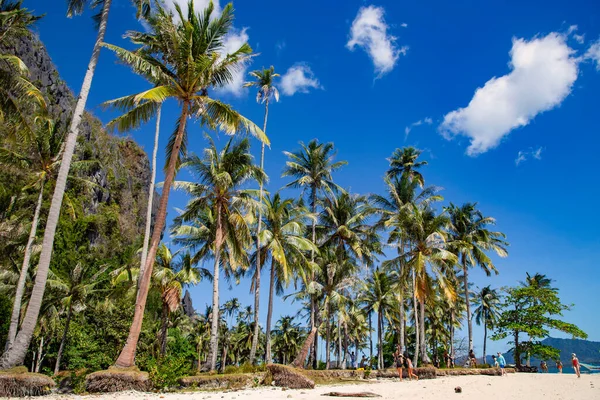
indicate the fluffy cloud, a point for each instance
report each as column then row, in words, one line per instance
column 369, row 32
column 593, row 53
column 426, row 120
column 232, row 42
column 199, row 6
column 525, row 155
column 542, row 76
column 299, row 78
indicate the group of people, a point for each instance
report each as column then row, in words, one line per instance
column 402, row 361
column 559, row 365
column 500, row 362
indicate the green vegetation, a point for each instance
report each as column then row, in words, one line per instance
column 77, row 297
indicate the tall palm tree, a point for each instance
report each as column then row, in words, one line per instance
column 470, row 240
column 287, row 339
column 220, row 176
column 183, row 57
column 538, row 281
column 377, row 295
column 427, row 250
column 283, row 241
column 487, row 312
column 312, row 168
column 266, row 90
column 231, row 307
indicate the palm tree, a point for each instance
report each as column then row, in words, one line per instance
column 170, row 277
column 287, row 338
column 427, row 250
column 183, row 57
column 538, row 281
column 403, row 162
column 231, row 307
column 220, row 175
column 470, row 240
column 266, row 91
column 312, row 168
column 75, row 285
column 487, row 312
column 284, row 242
column 377, row 295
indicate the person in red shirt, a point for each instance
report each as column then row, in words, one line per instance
column 575, row 362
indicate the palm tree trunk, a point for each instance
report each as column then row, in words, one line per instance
column 423, row 343
column 61, row 348
column 517, row 353
column 15, row 355
column 150, row 198
column 327, row 335
column 370, row 338
column 345, row 360
column 214, row 323
column 313, row 302
column 467, row 301
column 402, row 326
column 452, row 351
column 484, row 342
column 268, row 359
column 199, row 366
column 416, row 313
column 163, row 329
column 127, row 357
column 256, row 308
column 40, row 355
column 339, row 347
column 224, row 359
column 303, row 353
column 16, row 311
column 379, row 339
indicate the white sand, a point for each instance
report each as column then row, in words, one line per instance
column 513, row 386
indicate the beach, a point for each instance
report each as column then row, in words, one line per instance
column 514, row 386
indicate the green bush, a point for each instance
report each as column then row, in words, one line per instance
column 165, row 372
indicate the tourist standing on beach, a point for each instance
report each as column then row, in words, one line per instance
column 410, row 369
column 559, row 366
column 576, row 366
column 502, row 363
column 399, row 361
column 353, row 360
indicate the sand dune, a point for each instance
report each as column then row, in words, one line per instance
column 514, row 386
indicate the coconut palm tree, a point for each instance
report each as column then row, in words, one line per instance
column 427, row 251
column 287, row 339
column 218, row 191
column 266, row 90
column 487, row 311
column 312, row 168
column 75, row 285
column 184, row 57
column 284, row 242
column 471, row 240
column 377, row 295
column 403, row 163
column 231, row 307
column 170, row 277
column 16, row 353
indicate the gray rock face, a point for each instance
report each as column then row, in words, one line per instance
column 188, row 307
column 119, row 169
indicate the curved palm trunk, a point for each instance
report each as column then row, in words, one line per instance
column 150, row 198
column 258, row 230
column 61, row 348
column 467, row 301
column 15, row 355
column 163, row 329
column 40, row 355
column 270, row 315
column 214, row 323
column 303, row 353
column 127, row 357
column 16, row 311
column 416, row 313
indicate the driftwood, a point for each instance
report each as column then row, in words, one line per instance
column 359, row 394
column 303, row 353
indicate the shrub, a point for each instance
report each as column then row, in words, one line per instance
column 165, row 372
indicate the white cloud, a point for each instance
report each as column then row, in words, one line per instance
column 404, row 25
column 525, row 155
column 199, row 6
column 571, row 29
column 593, row 53
column 232, row 42
column 299, row 78
column 542, row 76
column 369, row 31
column 579, row 38
column 426, row 120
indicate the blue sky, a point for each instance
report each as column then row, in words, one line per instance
column 361, row 74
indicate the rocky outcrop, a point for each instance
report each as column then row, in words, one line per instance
column 188, row 307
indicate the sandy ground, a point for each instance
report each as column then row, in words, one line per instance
column 513, row 386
